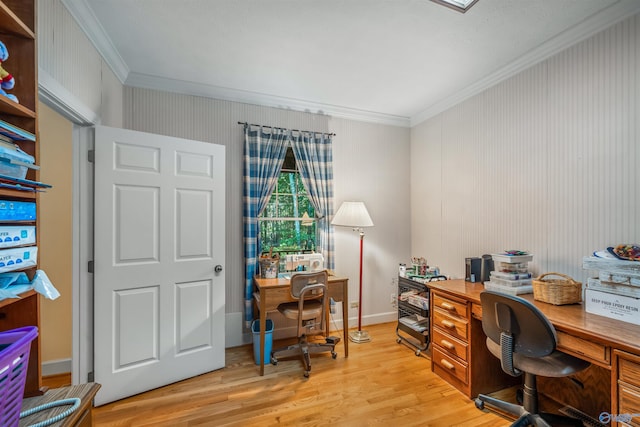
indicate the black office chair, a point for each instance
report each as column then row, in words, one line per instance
column 310, row 292
column 524, row 340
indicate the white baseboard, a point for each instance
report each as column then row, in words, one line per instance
column 235, row 336
column 55, row 367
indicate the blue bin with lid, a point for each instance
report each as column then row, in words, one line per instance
column 268, row 340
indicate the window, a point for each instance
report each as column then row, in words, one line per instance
column 287, row 223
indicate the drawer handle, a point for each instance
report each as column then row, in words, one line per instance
column 448, row 323
column 447, row 364
column 447, row 306
column 447, row 344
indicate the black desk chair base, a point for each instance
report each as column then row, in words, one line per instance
column 305, row 348
column 527, row 413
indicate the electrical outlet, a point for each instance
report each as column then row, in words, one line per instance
column 354, row 304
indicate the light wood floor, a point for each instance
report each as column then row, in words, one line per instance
column 381, row 383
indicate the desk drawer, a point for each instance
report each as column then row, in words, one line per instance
column 454, row 326
column 597, row 352
column 476, row 311
column 629, row 371
column 629, row 398
column 451, row 345
column 449, row 364
column 450, row 306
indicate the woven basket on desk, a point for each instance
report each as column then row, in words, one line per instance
column 557, row 291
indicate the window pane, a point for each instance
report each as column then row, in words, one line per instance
column 300, row 185
column 283, row 183
column 304, row 205
column 270, row 211
column 285, row 206
column 287, row 236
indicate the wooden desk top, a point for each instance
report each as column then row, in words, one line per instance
column 282, row 282
column 572, row 318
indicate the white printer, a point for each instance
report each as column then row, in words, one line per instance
column 304, row 262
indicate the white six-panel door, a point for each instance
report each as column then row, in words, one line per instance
column 159, row 235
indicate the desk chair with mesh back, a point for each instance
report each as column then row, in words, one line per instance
column 524, row 340
column 310, row 292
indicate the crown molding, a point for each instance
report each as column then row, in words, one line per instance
column 145, row 81
column 86, row 19
column 60, row 99
column 566, row 39
column 89, row 24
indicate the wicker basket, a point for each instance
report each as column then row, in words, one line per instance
column 557, row 291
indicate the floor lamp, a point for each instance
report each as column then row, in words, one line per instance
column 355, row 215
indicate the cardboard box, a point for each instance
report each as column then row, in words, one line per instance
column 619, row 307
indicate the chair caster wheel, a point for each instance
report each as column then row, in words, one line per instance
column 417, row 352
column 274, row 361
column 398, row 340
column 306, row 374
column 334, row 354
column 479, row 404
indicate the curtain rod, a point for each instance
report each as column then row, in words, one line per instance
column 295, row 130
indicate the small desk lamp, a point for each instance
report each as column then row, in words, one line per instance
column 355, row 215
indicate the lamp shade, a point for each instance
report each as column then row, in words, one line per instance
column 352, row 214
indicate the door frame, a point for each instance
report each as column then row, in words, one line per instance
column 63, row 102
column 82, row 287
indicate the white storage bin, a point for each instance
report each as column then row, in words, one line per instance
column 510, row 290
column 511, row 283
column 511, row 258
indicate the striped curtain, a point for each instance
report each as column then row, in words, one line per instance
column 264, row 152
column 315, row 161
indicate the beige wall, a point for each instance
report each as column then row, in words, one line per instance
column 55, row 232
column 546, row 161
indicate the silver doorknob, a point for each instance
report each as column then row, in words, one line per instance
column 218, row 268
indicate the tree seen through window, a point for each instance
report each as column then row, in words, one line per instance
column 283, row 223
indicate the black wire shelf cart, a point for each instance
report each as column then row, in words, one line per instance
column 413, row 314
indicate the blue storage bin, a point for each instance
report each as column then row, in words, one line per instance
column 268, row 340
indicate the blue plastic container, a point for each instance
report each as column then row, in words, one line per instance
column 268, row 340
column 17, row 211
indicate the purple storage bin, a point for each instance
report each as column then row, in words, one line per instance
column 15, row 345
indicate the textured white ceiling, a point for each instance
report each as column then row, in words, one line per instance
column 394, row 59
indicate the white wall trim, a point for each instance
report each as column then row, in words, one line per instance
column 227, row 94
column 64, row 102
column 86, row 19
column 568, row 38
column 55, row 367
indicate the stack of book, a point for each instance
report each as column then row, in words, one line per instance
column 613, row 288
column 511, row 273
column 14, row 163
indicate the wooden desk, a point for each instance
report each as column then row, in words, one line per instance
column 612, row 346
column 81, row 417
column 272, row 292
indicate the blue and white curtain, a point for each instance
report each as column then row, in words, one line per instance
column 264, row 152
column 315, row 161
